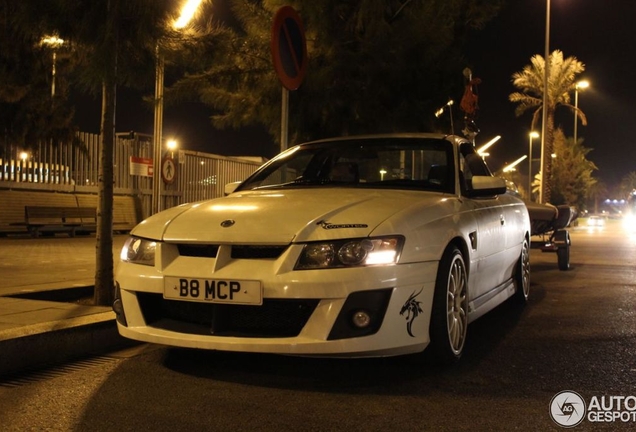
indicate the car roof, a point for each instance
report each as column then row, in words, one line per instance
column 451, row 138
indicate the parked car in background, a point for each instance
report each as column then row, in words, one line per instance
column 357, row 246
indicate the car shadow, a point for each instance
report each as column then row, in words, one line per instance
column 411, row 374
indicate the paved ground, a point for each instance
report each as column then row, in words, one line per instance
column 34, row 332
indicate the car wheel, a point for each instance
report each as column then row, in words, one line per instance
column 563, row 258
column 449, row 317
column 522, row 275
column 562, row 240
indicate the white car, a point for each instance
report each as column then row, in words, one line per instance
column 358, row 246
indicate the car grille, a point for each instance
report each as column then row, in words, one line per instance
column 274, row 318
column 238, row 251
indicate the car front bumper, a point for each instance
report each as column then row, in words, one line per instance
column 305, row 312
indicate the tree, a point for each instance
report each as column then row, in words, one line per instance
column 374, row 66
column 628, row 184
column 572, row 178
column 561, row 81
column 597, row 192
column 115, row 43
column 29, row 113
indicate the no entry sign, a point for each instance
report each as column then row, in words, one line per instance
column 289, row 47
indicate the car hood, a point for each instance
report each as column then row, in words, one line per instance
column 282, row 216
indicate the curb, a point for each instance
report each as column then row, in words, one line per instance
column 44, row 344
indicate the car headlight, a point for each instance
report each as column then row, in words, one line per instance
column 139, row 251
column 350, row 253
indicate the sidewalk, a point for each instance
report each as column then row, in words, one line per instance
column 36, row 332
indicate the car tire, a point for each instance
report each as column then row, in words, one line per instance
column 522, row 275
column 563, row 258
column 449, row 317
column 562, row 241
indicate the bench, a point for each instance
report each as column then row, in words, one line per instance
column 39, row 219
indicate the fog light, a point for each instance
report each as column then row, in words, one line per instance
column 118, row 307
column 362, row 314
column 361, row 319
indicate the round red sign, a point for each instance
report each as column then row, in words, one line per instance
column 289, row 47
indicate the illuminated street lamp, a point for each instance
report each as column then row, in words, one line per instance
column 172, row 145
column 481, row 151
column 532, row 135
column 512, row 166
column 54, row 42
column 187, row 13
column 579, row 85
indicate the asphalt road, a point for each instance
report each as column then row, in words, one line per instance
column 577, row 333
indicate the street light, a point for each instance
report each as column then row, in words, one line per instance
column 481, row 151
column 54, row 42
column 187, row 12
column 579, row 85
column 512, row 166
column 532, row 135
column 172, row 145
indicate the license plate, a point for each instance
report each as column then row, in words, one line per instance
column 247, row 292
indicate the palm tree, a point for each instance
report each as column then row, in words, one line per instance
column 597, row 192
column 628, row 183
column 561, row 81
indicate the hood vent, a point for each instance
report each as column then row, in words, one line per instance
column 257, row 252
column 198, row 250
column 238, row 251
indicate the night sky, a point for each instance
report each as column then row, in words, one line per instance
column 600, row 33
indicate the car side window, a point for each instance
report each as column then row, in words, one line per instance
column 470, row 164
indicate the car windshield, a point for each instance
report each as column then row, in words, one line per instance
column 393, row 162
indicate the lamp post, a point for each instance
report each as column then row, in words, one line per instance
column 579, row 85
column 532, row 135
column 544, row 116
column 54, row 42
column 187, row 13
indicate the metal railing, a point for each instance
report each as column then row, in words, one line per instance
column 70, row 168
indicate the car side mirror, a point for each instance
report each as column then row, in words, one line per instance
column 231, row 187
column 484, row 186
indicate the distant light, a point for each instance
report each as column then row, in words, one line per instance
column 187, row 12
column 171, row 144
column 534, row 134
column 440, row 111
column 512, row 166
column 52, row 41
column 582, row 84
column 483, row 148
column 24, row 156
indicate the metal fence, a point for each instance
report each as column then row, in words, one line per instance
column 65, row 168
